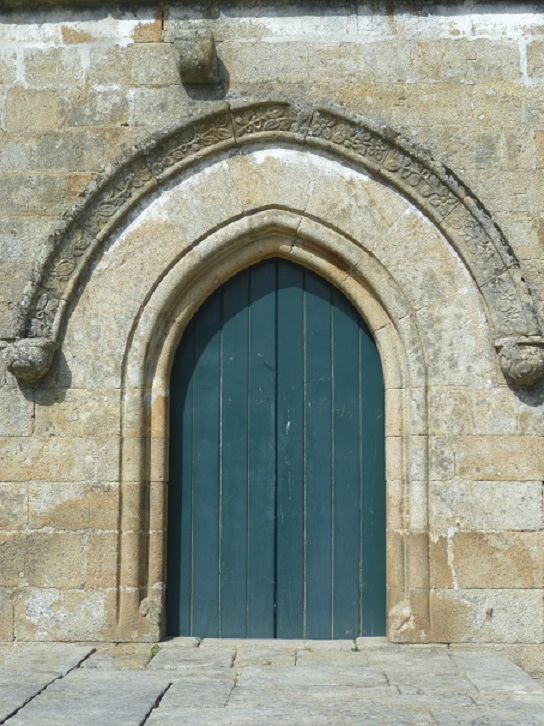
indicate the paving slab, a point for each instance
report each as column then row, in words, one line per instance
column 27, row 668
column 307, row 657
column 252, row 683
column 293, row 715
column 43, row 657
column 199, row 693
column 489, row 672
column 478, row 716
column 120, row 656
column 94, row 698
column 248, row 655
column 173, row 659
column 17, row 688
column 305, row 676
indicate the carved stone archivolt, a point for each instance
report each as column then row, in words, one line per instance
column 411, row 170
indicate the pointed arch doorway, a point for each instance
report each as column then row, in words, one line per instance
column 276, row 509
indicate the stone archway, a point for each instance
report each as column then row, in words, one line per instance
column 267, row 233
column 410, row 170
column 156, row 235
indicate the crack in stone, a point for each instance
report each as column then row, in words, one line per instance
column 155, row 705
column 236, row 681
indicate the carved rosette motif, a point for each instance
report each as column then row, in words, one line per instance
column 424, row 181
column 522, row 360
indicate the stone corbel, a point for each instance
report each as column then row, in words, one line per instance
column 29, row 359
column 197, row 57
column 521, row 359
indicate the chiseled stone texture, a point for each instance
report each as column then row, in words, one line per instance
column 78, row 87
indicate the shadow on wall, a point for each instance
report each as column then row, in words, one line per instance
column 64, row 10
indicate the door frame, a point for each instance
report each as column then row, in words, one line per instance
column 263, row 296
column 145, row 396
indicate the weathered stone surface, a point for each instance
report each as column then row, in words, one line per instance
column 158, row 108
column 8, row 66
column 466, row 61
column 61, row 412
column 73, row 505
column 403, row 684
column 152, row 64
column 500, row 616
column 199, row 691
column 12, row 558
column 121, row 656
column 54, row 560
column 130, row 697
column 257, row 655
column 77, row 87
column 37, row 109
column 500, row 457
column 405, row 668
column 481, row 505
column 100, row 108
column 62, row 614
column 6, row 614
column 528, row 656
column 177, row 659
column 102, row 556
column 16, row 691
column 52, row 68
column 492, row 673
column 197, row 56
column 13, row 505
column 58, row 658
column 535, row 59
column 27, row 459
column 485, row 560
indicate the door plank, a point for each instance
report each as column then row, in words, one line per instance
column 318, row 457
column 206, row 406
column 290, row 462
column 262, row 451
column 373, row 473
column 347, row 455
column 234, row 457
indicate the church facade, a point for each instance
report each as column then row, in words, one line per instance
column 271, row 321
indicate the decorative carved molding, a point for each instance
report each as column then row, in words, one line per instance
column 409, row 169
column 522, row 360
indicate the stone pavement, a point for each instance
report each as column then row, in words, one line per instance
column 188, row 682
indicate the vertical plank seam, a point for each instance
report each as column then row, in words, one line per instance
column 360, row 459
column 304, row 447
column 220, row 463
column 332, row 300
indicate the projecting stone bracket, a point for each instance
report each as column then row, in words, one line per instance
column 521, row 359
column 197, row 57
column 29, row 359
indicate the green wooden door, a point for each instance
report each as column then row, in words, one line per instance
column 276, row 521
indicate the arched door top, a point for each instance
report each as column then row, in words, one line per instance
column 276, row 494
column 428, row 184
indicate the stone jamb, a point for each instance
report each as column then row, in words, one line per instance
column 145, row 387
